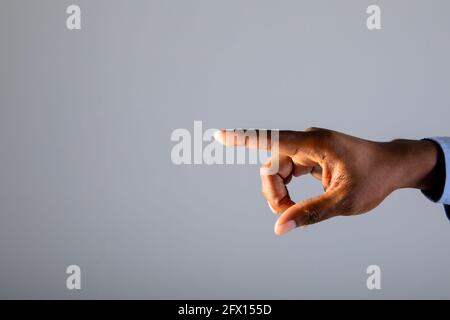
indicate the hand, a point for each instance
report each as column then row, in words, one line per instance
column 356, row 174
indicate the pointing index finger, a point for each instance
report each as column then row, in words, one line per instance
column 285, row 141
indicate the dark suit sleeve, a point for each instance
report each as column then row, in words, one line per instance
column 440, row 192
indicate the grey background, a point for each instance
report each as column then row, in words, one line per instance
column 85, row 124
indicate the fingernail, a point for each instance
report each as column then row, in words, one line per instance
column 281, row 229
column 271, row 208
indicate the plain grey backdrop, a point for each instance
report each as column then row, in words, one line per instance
column 85, row 122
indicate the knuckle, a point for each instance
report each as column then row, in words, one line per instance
column 322, row 136
column 276, row 207
column 310, row 129
column 318, row 131
column 278, row 203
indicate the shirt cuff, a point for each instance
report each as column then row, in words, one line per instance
column 440, row 192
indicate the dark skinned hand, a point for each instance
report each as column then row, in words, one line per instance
column 356, row 174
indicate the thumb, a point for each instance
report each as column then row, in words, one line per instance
column 307, row 212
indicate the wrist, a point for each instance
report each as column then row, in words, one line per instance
column 414, row 163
